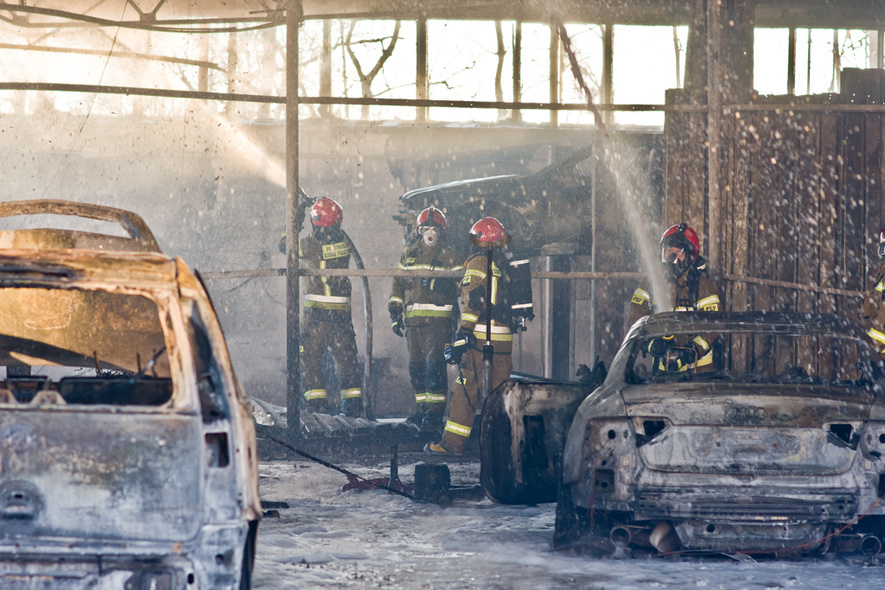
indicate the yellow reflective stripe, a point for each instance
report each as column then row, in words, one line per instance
column 701, row 342
column 474, row 273
column 707, row 359
column 428, row 314
column 876, row 335
column 424, row 267
column 496, row 328
column 710, row 303
column 323, row 305
column 458, row 429
column 420, row 397
column 428, row 307
column 680, row 368
column 351, row 393
column 469, row 317
column 315, row 394
column 682, row 309
column 640, row 296
column 494, row 290
column 495, row 337
column 326, row 298
column 395, row 300
column 435, row 398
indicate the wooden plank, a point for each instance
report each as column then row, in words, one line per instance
column 738, row 251
column 694, row 212
column 873, row 178
column 808, row 239
column 853, row 226
column 828, row 182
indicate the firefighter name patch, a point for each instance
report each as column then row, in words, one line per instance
column 338, row 250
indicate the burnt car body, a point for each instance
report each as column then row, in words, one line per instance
column 778, row 450
column 127, row 443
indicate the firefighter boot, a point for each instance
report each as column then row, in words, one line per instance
column 433, row 421
column 352, row 407
column 318, row 405
column 418, row 417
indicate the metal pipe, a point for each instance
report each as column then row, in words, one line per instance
column 620, row 536
column 870, row 545
column 293, row 303
column 369, row 399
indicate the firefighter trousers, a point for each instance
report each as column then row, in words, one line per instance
column 466, row 390
column 329, row 330
column 427, row 364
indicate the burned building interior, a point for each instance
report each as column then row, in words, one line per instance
column 783, row 185
column 587, row 126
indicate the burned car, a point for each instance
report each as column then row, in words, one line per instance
column 778, row 449
column 127, row 443
column 554, row 207
column 549, row 206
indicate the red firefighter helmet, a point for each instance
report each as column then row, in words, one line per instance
column 683, row 237
column 325, row 213
column 488, row 233
column 431, row 217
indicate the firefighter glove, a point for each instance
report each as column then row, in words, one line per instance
column 463, row 341
column 396, row 319
column 660, row 346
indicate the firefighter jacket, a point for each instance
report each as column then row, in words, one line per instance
column 330, row 293
column 426, row 301
column 693, row 291
column 872, row 313
column 475, row 310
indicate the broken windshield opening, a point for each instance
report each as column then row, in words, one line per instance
column 76, row 346
column 748, row 358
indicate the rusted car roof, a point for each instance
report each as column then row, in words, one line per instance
column 140, row 238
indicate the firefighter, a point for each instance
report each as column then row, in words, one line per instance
column 327, row 324
column 690, row 290
column 422, row 307
column 489, row 236
column 872, row 313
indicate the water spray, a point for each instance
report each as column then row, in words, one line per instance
column 623, row 183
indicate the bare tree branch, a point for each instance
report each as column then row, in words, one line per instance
column 502, row 53
column 367, row 79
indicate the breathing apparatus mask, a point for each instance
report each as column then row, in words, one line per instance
column 675, row 263
column 430, row 235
